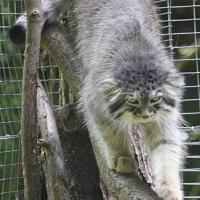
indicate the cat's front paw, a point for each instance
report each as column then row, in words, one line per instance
column 170, row 192
column 122, row 164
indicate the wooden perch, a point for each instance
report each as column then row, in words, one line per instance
column 31, row 166
column 141, row 155
column 55, row 171
column 120, row 186
column 58, row 44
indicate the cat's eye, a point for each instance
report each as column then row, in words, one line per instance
column 133, row 101
column 155, row 99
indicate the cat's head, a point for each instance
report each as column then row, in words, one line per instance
column 142, row 102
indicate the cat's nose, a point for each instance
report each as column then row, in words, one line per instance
column 145, row 114
column 145, row 117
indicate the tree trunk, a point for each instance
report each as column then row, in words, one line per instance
column 31, row 167
column 82, row 171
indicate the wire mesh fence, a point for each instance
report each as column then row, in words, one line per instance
column 181, row 34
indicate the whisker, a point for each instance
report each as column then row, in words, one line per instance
column 129, row 93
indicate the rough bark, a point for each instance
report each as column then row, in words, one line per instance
column 75, row 141
column 31, row 167
column 58, row 44
column 141, row 156
column 54, row 166
column 82, row 171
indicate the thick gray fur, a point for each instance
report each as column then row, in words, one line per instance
column 129, row 79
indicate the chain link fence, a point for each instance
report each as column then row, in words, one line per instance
column 181, row 34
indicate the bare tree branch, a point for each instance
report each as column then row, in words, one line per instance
column 58, row 44
column 104, row 189
column 56, row 180
column 141, row 155
column 31, row 167
column 82, row 171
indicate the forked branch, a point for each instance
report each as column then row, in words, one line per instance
column 55, row 171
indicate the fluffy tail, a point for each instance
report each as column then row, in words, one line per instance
column 50, row 12
column 17, row 32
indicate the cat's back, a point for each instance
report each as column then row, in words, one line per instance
column 103, row 13
column 107, row 25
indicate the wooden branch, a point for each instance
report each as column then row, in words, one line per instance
column 104, row 189
column 58, row 44
column 141, row 155
column 56, row 180
column 82, row 170
column 43, row 143
column 120, row 186
column 31, row 166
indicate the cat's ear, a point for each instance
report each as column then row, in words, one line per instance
column 109, row 88
column 176, row 80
